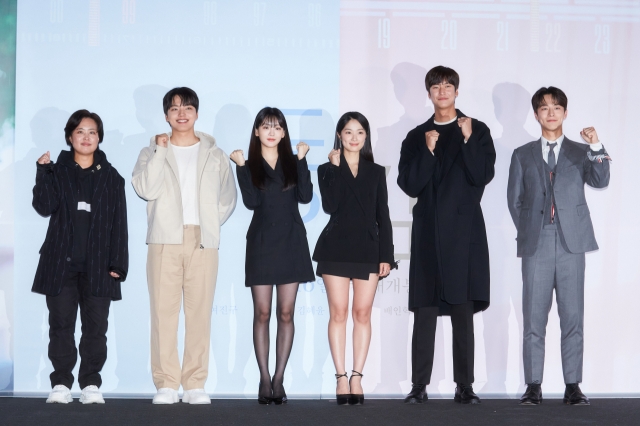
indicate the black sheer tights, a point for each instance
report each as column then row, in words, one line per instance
column 285, row 305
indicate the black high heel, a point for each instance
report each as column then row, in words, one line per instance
column 263, row 400
column 355, row 398
column 342, row 399
column 278, row 400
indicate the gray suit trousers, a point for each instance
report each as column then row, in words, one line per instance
column 552, row 267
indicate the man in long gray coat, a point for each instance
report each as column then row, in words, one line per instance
column 548, row 206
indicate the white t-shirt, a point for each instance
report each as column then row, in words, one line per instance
column 187, row 159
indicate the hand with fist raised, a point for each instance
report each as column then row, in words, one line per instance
column 431, row 137
column 465, row 125
column 334, row 157
column 589, row 135
column 162, row 140
column 45, row 158
column 302, row 148
column 237, row 157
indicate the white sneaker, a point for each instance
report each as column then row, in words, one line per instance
column 91, row 395
column 166, row 396
column 60, row 394
column 196, row 396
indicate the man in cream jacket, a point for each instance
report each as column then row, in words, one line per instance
column 190, row 193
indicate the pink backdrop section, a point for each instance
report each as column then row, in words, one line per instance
column 504, row 51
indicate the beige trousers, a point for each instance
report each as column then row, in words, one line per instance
column 174, row 270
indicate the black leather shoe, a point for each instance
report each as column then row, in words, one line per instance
column 417, row 395
column 343, row 398
column 279, row 395
column 574, row 396
column 263, row 399
column 466, row 395
column 532, row 396
column 355, row 398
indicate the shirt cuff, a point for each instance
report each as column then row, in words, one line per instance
column 596, row 146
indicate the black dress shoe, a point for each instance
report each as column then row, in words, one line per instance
column 355, row 398
column 466, row 395
column 343, row 398
column 279, row 395
column 263, row 399
column 532, row 396
column 574, row 396
column 417, row 395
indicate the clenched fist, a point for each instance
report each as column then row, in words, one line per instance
column 45, row 158
column 303, row 148
column 334, row 157
column 465, row 125
column 162, row 140
column 237, row 157
column 431, row 137
column 589, row 135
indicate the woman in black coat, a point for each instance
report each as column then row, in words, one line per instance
column 273, row 181
column 356, row 244
column 85, row 254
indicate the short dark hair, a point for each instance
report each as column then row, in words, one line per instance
column 186, row 95
column 557, row 95
column 74, row 122
column 437, row 75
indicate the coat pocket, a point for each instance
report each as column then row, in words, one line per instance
column 583, row 210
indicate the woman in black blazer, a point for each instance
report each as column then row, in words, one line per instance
column 85, row 254
column 272, row 183
column 356, row 244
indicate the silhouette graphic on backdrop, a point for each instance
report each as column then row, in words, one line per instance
column 232, row 302
column 512, row 105
column 410, row 92
column 133, row 368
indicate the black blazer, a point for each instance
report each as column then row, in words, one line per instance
column 277, row 247
column 448, row 224
column 359, row 230
column 55, row 195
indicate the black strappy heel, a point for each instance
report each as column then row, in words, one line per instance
column 342, row 399
column 356, row 398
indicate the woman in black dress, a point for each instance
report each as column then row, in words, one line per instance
column 356, row 245
column 273, row 181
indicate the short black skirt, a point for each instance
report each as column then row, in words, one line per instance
column 351, row 270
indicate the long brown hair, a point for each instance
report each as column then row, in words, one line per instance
column 285, row 153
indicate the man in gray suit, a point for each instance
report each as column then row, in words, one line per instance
column 548, row 206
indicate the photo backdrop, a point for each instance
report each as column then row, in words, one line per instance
column 315, row 61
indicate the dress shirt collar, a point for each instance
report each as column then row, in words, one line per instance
column 545, row 148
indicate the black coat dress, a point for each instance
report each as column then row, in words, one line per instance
column 359, row 230
column 55, row 195
column 277, row 247
column 448, row 237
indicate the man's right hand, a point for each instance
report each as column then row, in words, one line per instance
column 162, row 140
column 45, row 158
column 237, row 157
column 431, row 137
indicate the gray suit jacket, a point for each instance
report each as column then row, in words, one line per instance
column 526, row 193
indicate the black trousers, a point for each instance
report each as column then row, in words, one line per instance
column 422, row 344
column 94, row 313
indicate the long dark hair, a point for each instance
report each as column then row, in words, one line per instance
column 285, row 153
column 366, row 152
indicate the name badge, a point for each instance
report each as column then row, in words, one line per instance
column 84, row 206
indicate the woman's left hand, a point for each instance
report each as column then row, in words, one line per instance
column 303, row 148
column 114, row 275
column 385, row 269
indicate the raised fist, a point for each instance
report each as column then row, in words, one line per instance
column 45, row 158
column 431, row 137
column 303, row 148
column 589, row 135
column 465, row 125
column 237, row 157
column 334, row 157
column 162, row 140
